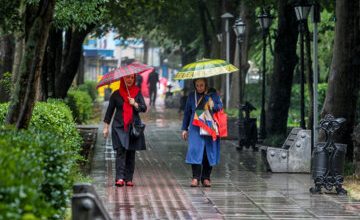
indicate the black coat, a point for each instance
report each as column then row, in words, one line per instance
column 120, row 137
column 153, row 80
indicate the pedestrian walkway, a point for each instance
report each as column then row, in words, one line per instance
column 241, row 188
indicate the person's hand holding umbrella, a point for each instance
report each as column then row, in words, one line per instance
column 133, row 103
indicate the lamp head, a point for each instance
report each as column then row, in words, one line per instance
column 239, row 27
column 302, row 11
column 265, row 20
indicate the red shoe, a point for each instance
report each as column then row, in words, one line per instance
column 120, row 182
column 129, row 183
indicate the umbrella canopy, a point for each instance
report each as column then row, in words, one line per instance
column 144, row 86
column 205, row 68
column 115, row 75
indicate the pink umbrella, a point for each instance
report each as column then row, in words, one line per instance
column 115, row 75
column 144, row 85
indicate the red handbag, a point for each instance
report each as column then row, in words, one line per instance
column 221, row 119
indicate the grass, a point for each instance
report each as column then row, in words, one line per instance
column 352, row 185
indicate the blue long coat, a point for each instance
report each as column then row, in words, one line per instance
column 195, row 140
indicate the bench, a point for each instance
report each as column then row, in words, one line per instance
column 293, row 157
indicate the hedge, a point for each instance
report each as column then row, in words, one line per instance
column 38, row 166
column 90, row 88
column 80, row 104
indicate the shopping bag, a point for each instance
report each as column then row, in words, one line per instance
column 212, row 127
column 204, row 120
column 220, row 118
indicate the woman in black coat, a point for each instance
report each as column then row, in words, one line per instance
column 128, row 102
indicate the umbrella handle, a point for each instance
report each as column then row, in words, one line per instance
column 127, row 89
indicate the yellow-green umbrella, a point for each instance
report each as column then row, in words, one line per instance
column 205, row 68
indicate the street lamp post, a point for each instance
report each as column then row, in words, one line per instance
column 239, row 29
column 302, row 11
column 265, row 20
column 315, row 20
column 227, row 17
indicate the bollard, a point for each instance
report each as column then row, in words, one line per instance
column 248, row 128
column 86, row 204
column 328, row 159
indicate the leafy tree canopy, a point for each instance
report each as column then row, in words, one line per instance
column 79, row 13
column 9, row 15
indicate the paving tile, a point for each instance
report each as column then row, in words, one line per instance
column 241, row 187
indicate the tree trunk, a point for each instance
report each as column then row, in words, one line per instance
column 7, row 48
column 248, row 15
column 216, row 50
column 70, row 62
column 285, row 60
column 146, row 51
column 80, row 76
column 57, row 44
column 23, row 98
column 67, row 45
column 344, row 79
column 18, row 55
column 43, row 91
column 52, row 63
column 205, row 33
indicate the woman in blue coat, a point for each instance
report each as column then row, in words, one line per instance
column 203, row 152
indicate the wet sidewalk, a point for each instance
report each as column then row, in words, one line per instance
column 241, row 188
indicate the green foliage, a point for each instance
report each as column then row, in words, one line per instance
column 50, row 148
column 53, row 116
column 349, row 168
column 90, row 88
column 34, row 179
column 322, row 88
column 164, row 23
column 294, row 111
column 132, row 21
column 326, row 42
column 80, row 104
column 21, row 177
column 9, row 16
column 325, row 45
column 256, row 50
column 232, row 112
column 3, row 112
column 253, row 94
column 5, row 82
column 68, row 13
column 79, row 13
